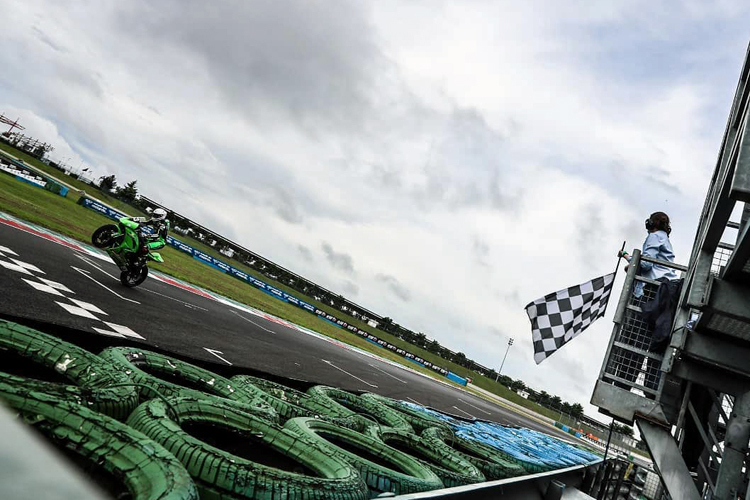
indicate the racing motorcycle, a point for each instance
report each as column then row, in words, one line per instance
column 127, row 244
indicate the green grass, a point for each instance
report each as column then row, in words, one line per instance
column 79, row 185
column 63, row 215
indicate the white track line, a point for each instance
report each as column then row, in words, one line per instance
column 475, row 407
column 216, row 353
column 386, row 373
column 464, row 412
column 7, row 250
column 87, row 261
column 415, row 401
column 253, row 322
column 86, row 274
column 186, row 304
column 353, row 376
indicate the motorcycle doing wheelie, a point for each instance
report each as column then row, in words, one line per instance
column 130, row 246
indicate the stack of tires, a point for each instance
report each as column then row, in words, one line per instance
column 160, row 428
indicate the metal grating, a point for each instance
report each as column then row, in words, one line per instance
column 652, row 489
column 634, row 332
column 649, row 292
column 630, row 365
column 721, row 257
column 729, row 326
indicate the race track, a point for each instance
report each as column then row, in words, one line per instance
column 45, row 281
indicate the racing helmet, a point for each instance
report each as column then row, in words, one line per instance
column 159, row 214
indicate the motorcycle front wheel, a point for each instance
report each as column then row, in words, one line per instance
column 134, row 278
column 104, row 236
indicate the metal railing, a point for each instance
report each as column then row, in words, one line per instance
column 630, row 364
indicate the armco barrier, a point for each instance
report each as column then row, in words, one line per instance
column 278, row 294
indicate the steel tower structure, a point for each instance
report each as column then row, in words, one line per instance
column 692, row 401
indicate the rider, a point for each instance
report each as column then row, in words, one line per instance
column 158, row 238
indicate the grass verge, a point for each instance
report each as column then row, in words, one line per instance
column 77, row 184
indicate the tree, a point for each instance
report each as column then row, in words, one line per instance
column 434, row 347
column 543, row 398
column 459, row 358
column 107, row 183
column 420, row 339
column 625, row 430
column 129, row 192
column 517, row 385
column 576, row 410
column 556, row 401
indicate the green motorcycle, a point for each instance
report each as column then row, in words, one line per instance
column 127, row 244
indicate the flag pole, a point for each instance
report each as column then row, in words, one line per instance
column 617, row 268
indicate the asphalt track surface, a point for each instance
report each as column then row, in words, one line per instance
column 51, row 283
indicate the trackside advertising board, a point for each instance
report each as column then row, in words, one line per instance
column 279, row 294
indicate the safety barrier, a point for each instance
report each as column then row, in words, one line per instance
column 18, row 170
column 278, row 294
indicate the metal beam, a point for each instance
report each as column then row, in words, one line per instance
column 668, row 461
column 740, row 187
column 708, row 376
column 531, row 487
column 730, row 478
column 728, row 310
column 740, row 256
column 625, row 405
column 715, row 351
column 670, row 265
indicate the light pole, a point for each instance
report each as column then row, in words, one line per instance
column 510, row 343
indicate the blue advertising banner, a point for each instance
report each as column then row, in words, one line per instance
column 102, row 209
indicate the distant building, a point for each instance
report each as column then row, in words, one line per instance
column 524, row 394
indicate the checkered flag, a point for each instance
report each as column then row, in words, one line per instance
column 559, row 317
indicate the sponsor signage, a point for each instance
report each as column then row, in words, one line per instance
column 103, row 209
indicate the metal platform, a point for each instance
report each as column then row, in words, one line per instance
column 692, row 403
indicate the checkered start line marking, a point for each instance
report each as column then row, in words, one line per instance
column 72, row 306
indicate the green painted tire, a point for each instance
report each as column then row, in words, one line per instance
column 285, row 408
column 358, row 405
column 186, row 379
column 68, row 364
column 491, row 463
column 225, row 474
column 143, row 467
column 418, row 420
column 404, row 474
column 298, row 398
column 447, row 464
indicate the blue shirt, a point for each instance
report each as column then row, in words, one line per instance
column 657, row 246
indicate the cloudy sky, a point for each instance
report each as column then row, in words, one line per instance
column 440, row 162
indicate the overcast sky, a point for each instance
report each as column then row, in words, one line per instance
column 442, row 163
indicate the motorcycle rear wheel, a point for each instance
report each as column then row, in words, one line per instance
column 132, row 279
column 103, row 237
